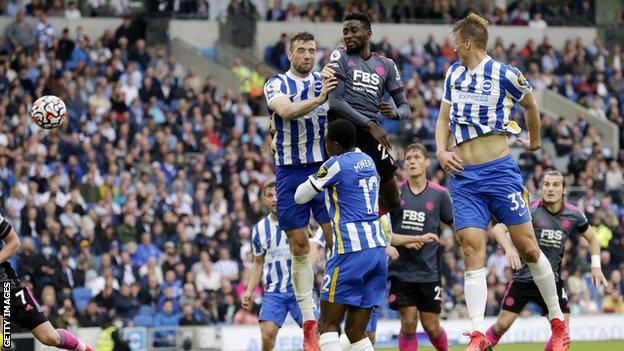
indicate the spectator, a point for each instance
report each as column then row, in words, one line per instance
column 72, row 12
column 20, row 34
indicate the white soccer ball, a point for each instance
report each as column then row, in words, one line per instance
column 49, row 112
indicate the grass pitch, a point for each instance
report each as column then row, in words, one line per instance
column 576, row 346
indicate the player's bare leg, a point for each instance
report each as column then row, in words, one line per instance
column 409, row 321
column 389, row 196
column 60, row 338
column 303, row 281
column 269, row 334
column 523, row 238
column 473, row 241
column 355, row 328
column 503, row 323
column 437, row 335
column 329, row 324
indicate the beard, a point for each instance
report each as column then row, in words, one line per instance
column 354, row 49
column 303, row 69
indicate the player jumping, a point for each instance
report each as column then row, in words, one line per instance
column 479, row 96
column 355, row 275
column 415, row 282
column 363, row 79
column 271, row 263
column 296, row 105
column 25, row 309
column 555, row 221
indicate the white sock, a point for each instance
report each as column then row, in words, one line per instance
column 329, row 341
column 345, row 344
column 475, row 291
column 303, row 281
column 545, row 280
column 362, row 345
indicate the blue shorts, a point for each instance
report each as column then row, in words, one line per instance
column 356, row 279
column 275, row 307
column 292, row 215
column 495, row 187
column 371, row 327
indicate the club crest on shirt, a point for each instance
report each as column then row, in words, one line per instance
column 335, row 55
column 322, row 172
column 522, row 81
column 318, row 86
column 487, row 86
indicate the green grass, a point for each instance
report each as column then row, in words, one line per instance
column 576, row 346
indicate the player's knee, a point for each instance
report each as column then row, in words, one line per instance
column 299, row 244
column 354, row 333
column 408, row 327
column 531, row 254
column 432, row 330
column 268, row 339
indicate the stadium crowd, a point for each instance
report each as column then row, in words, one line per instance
column 139, row 210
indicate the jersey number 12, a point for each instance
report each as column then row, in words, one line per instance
column 368, row 187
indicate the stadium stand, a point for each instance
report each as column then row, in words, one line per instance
column 150, row 191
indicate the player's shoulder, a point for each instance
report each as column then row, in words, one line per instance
column 572, row 210
column 436, row 189
column 536, row 204
column 275, row 81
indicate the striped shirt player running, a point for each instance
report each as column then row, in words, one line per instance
column 555, row 222
column 25, row 310
column 479, row 99
column 355, row 275
column 296, row 101
column 272, row 261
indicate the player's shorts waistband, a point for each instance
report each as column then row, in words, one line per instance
column 489, row 164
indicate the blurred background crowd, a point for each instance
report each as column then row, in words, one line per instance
column 139, row 210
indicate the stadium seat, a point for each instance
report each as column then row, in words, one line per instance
column 81, row 297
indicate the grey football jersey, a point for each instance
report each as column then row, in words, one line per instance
column 552, row 231
column 420, row 214
column 366, row 81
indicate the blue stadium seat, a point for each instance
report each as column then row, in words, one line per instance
column 81, row 297
column 144, row 321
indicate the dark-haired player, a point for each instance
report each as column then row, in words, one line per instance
column 415, row 282
column 555, row 221
column 25, row 309
column 363, row 79
column 355, row 275
column 296, row 101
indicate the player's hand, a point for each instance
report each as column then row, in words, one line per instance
column 429, row 238
column 514, row 259
column 528, row 145
column 387, row 110
column 328, row 85
column 246, row 301
column 379, row 134
column 415, row 245
column 327, row 72
column 598, row 278
column 392, row 252
column 450, row 162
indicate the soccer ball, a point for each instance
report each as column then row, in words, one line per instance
column 48, row 112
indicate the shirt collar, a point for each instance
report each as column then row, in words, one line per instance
column 480, row 66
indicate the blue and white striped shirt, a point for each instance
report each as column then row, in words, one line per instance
column 351, row 182
column 269, row 240
column 482, row 100
column 298, row 141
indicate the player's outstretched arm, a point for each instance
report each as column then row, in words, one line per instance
column 306, row 191
column 501, row 234
column 403, row 110
column 12, row 242
column 594, row 249
column 449, row 161
column 531, row 114
column 289, row 110
column 254, row 280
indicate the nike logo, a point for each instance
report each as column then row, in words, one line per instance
column 521, row 214
column 29, row 307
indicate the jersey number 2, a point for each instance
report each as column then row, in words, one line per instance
column 438, row 293
column 368, row 187
column 384, row 152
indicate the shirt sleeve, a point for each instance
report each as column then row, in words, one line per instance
column 327, row 175
column 446, row 208
column 446, row 97
column 581, row 222
column 393, row 83
column 274, row 88
column 256, row 246
column 337, row 61
column 515, row 84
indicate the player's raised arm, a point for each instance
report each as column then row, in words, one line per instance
column 279, row 102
